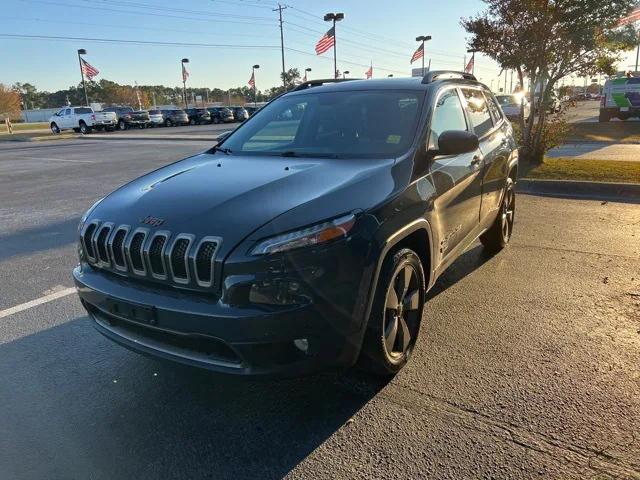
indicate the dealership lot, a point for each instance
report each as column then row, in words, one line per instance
column 527, row 365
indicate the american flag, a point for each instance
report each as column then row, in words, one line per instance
column 632, row 17
column 369, row 73
column 185, row 73
column 327, row 41
column 252, row 81
column 87, row 70
column 419, row 53
column 469, row 67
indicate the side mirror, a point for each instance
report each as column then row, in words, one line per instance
column 457, row 142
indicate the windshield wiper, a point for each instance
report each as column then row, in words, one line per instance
column 293, row 153
column 226, row 151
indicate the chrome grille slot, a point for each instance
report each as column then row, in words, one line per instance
column 134, row 252
column 156, row 251
column 116, row 247
column 204, row 261
column 178, row 259
column 87, row 240
column 101, row 244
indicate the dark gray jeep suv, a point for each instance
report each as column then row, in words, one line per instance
column 309, row 236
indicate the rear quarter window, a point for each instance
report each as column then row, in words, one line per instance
column 83, row 110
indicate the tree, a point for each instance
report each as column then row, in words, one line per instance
column 9, row 101
column 546, row 40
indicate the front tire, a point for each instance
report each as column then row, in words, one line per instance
column 122, row 125
column 55, row 129
column 168, row 123
column 498, row 236
column 394, row 322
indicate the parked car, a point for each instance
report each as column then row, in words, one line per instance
column 286, row 250
column 551, row 105
column 81, row 119
column 175, row 117
column 221, row 115
column 156, row 119
column 128, row 117
column 251, row 110
column 198, row 116
column 240, row 114
column 620, row 99
column 513, row 105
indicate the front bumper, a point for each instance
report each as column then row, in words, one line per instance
column 197, row 329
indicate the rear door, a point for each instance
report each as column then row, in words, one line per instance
column 456, row 177
column 492, row 145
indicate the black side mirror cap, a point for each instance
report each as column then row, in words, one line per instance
column 457, row 142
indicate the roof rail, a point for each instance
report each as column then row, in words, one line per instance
column 446, row 75
column 320, row 81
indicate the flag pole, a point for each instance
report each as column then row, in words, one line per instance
column 82, row 51
column 335, row 58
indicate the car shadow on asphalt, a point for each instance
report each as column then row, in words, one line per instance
column 37, row 239
column 91, row 409
column 463, row 266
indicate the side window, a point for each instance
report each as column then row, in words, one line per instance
column 496, row 113
column 478, row 111
column 67, row 111
column 447, row 115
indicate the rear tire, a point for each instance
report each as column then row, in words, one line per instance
column 122, row 125
column 396, row 314
column 168, row 123
column 84, row 128
column 498, row 236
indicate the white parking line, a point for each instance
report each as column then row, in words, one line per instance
column 38, row 301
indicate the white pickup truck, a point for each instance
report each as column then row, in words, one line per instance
column 81, row 119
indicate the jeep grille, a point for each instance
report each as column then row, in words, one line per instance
column 180, row 259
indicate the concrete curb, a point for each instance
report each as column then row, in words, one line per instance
column 180, row 138
column 42, row 138
column 625, row 192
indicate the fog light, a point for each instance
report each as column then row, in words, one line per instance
column 302, row 344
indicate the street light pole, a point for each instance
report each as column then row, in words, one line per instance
column 334, row 17
column 82, row 51
column 184, row 81
column 423, row 38
column 255, row 89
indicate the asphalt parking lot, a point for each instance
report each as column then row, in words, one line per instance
column 527, row 364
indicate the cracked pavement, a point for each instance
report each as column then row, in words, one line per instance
column 527, row 366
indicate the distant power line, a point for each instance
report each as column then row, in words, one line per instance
column 136, row 42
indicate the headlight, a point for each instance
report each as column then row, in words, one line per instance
column 314, row 235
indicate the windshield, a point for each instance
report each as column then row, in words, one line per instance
column 355, row 124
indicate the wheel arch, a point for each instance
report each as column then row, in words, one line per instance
column 417, row 236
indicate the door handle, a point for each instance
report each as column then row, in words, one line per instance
column 476, row 159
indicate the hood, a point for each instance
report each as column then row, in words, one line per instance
column 231, row 196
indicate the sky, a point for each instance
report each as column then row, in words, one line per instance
column 233, row 35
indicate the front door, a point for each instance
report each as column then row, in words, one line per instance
column 456, row 178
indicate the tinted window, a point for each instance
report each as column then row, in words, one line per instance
column 478, row 111
column 373, row 124
column 496, row 113
column 67, row 111
column 178, row 112
column 447, row 115
column 83, row 110
column 154, row 112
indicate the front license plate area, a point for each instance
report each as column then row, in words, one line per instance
column 132, row 311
